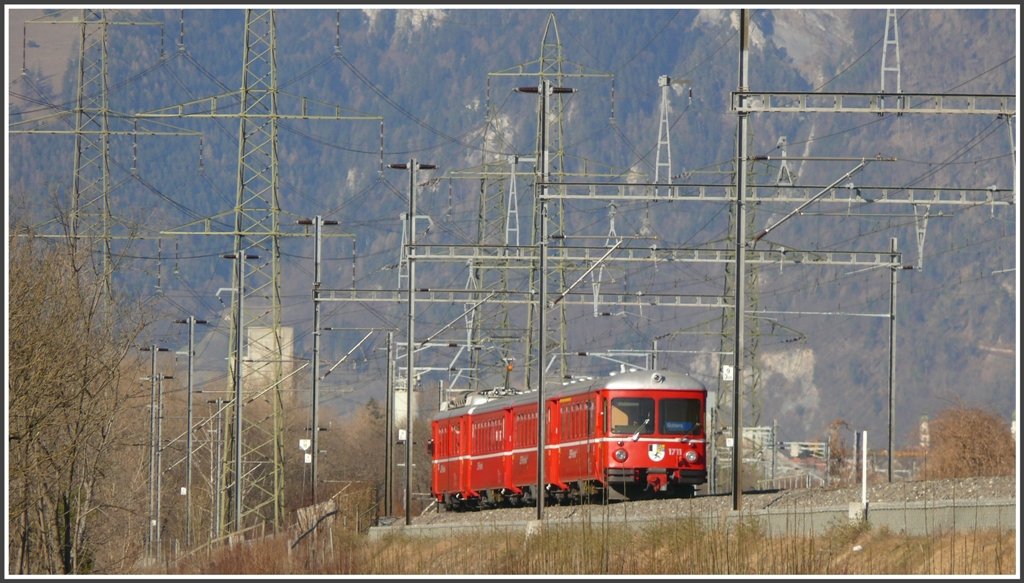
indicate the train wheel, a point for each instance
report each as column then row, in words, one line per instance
column 557, row 496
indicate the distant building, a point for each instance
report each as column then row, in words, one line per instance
column 263, row 353
column 402, row 404
column 803, row 449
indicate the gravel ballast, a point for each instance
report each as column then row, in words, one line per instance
column 984, row 488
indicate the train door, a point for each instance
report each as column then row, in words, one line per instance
column 552, row 447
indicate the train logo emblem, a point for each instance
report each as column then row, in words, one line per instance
column 656, row 451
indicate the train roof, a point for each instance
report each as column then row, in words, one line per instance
column 639, row 380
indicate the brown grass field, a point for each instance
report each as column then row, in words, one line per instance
column 682, row 548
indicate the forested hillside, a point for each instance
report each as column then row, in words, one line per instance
column 432, row 80
column 362, row 89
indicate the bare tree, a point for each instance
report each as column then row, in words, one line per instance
column 66, row 372
column 837, row 452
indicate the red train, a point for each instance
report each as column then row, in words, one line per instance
column 638, row 434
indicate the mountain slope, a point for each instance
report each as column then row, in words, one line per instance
column 438, row 77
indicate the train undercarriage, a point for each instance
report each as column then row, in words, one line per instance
column 622, row 485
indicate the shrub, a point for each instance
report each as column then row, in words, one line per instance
column 969, row 442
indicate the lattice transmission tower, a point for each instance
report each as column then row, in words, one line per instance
column 94, row 125
column 499, row 209
column 254, row 480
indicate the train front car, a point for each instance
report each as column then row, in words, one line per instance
column 653, row 426
column 634, row 435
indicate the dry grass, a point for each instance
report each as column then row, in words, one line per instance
column 681, row 548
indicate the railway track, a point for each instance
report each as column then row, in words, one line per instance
column 952, row 493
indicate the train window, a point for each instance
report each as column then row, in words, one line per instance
column 680, row 416
column 632, row 415
column 486, row 436
column 525, row 429
column 573, row 420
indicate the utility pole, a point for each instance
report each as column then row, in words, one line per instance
column 412, row 166
column 542, row 321
column 152, row 452
column 318, row 223
column 154, row 489
column 218, row 470
column 159, row 458
column 315, row 422
column 191, row 321
column 389, row 429
column 542, row 241
column 893, row 276
column 239, row 259
column 741, row 252
column 544, row 90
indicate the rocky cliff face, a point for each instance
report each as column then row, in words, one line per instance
column 815, row 40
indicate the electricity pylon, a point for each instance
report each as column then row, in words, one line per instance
column 495, row 213
column 751, row 383
column 93, row 124
column 891, row 39
column 257, row 232
column 663, row 157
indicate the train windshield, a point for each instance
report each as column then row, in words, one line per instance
column 632, row 415
column 679, row 416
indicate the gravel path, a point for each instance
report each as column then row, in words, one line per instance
column 995, row 488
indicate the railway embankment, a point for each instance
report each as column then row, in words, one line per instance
column 911, row 508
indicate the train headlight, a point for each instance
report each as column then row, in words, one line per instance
column 691, row 456
column 621, row 455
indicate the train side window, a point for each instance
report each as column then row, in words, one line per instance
column 576, row 421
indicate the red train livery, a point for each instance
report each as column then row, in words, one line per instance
column 638, row 434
